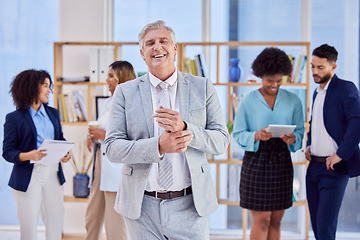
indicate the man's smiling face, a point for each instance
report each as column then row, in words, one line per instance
column 159, row 51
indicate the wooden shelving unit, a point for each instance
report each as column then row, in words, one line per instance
column 58, row 69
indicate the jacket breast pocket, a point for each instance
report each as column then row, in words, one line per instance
column 126, row 170
column 205, row 168
column 198, row 117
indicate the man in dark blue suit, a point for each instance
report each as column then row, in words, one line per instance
column 333, row 142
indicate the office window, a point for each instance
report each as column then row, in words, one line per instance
column 131, row 16
column 27, row 32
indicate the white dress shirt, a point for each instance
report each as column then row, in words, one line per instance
column 322, row 144
column 181, row 173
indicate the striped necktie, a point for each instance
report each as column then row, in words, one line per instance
column 165, row 166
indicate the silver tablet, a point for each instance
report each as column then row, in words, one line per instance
column 280, row 129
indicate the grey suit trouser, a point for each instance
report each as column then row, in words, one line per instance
column 168, row 219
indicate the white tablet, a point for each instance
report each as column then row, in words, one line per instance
column 280, row 129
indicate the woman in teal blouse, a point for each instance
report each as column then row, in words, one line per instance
column 267, row 171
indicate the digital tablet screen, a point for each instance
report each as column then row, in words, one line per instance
column 280, row 129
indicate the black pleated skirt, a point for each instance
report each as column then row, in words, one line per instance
column 266, row 182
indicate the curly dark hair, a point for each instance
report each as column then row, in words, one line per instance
column 271, row 61
column 326, row 51
column 25, row 87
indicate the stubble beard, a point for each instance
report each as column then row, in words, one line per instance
column 324, row 79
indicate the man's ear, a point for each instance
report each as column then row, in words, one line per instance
column 142, row 54
column 333, row 67
column 175, row 48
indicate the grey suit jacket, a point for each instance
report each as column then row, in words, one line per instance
column 130, row 139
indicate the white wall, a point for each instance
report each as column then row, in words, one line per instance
column 83, row 21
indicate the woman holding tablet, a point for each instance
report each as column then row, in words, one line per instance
column 267, row 173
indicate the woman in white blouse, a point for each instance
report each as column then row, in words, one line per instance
column 106, row 174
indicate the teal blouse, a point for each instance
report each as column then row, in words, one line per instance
column 253, row 114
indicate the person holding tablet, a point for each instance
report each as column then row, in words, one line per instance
column 266, row 181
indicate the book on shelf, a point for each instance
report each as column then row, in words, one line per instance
column 81, row 104
column 196, row 66
column 63, row 108
column 287, row 78
column 94, row 64
column 187, row 67
column 60, row 108
column 100, row 59
column 298, row 69
column 302, row 77
column 106, row 57
column 202, row 72
column 71, row 107
column 193, row 67
column 79, row 114
column 74, row 79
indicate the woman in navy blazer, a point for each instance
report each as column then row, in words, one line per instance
column 36, row 187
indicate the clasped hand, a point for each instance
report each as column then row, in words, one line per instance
column 174, row 138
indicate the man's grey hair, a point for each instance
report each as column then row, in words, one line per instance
column 152, row 26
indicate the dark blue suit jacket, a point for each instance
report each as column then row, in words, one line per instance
column 342, row 121
column 20, row 136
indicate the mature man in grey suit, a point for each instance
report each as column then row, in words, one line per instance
column 161, row 134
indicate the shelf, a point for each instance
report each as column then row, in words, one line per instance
column 74, row 199
column 233, row 161
column 59, row 83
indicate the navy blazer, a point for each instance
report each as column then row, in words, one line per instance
column 342, row 121
column 20, row 136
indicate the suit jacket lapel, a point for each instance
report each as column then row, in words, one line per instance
column 183, row 93
column 30, row 122
column 328, row 95
column 147, row 103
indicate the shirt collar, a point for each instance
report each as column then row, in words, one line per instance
column 41, row 112
column 155, row 81
column 320, row 90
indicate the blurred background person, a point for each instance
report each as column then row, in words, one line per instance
column 266, row 184
column 37, row 187
column 106, row 174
